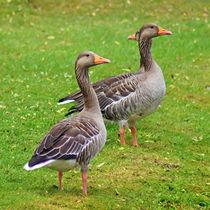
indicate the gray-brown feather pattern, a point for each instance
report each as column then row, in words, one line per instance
column 120, row 97
column 78, row 139
column 108, row 91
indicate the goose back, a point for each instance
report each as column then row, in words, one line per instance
column 78, row 139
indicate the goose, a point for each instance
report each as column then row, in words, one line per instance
column 73, row 142
column 128, row 97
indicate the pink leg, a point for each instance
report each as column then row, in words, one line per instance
column 122, row 136
column 60, row 175
column 134, row 140
column 84, row 183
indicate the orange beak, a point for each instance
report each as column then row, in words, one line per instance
column 100, row 60
column 162, row 31
column 132, row 37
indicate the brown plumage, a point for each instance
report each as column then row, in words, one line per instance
column 74, row 141
column 128, row 97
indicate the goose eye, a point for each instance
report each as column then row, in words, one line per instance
column 87, row 55
column 151, row 26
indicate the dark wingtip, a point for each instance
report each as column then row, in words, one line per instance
column 71, row 111
column 35, row 160
column 61, row 100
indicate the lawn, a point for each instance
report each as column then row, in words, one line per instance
column 40, row 41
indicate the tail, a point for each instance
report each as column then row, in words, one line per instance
column 65, row 100
column 27, row 166
column 76, row 97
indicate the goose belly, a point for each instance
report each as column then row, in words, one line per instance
column 63, row 165
column 149, row 100
column 141, row 113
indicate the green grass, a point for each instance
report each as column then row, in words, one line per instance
column 39, row 43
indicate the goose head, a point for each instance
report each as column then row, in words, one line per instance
column 149, row 31
column 87, row 59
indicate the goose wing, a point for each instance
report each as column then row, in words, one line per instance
column 110, row 90
column 67, row 140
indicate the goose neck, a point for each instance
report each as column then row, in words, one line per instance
column 145, row 54
column 89, row 95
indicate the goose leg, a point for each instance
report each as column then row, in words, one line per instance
column 84, row 182
column 133, row 133
column 60, row 175
column 122, row 136
column 123, row 124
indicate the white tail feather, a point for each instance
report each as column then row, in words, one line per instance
column 40, row 165
column 66, row 102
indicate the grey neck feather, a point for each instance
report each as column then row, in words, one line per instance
column 89, row 95
column 145, row 54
